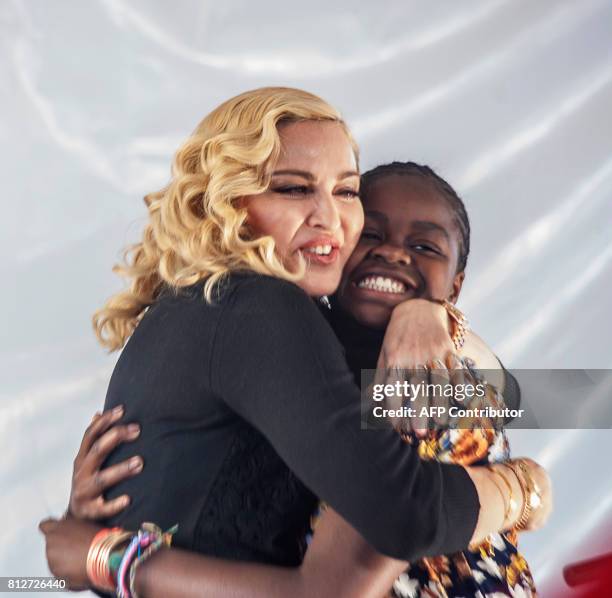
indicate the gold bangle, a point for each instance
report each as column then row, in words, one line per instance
column 103, row 543
column 530, row 491
column 511, row 502
column 506, row 506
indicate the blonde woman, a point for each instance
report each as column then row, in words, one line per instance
column 248, row 413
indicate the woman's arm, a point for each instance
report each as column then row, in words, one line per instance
column 304, row 401
column 339, row 562
column 419, row 333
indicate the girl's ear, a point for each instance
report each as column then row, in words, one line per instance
column 457, row 284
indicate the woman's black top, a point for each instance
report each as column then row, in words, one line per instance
column 248, row 413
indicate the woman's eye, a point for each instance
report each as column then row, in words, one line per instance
column 348, row 194
column 295, row 190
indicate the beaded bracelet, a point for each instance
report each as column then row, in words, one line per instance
column 148, row 540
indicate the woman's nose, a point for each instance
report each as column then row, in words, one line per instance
column 325, row 213
column 393, row 254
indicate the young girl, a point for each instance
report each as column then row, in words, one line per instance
column 414, row 245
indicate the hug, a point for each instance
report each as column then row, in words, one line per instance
column 269, row 274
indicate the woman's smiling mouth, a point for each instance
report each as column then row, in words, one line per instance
column 321, row 251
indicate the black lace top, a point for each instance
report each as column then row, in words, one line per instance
column 248, row 412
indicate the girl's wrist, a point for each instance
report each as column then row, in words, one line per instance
column 115, row 556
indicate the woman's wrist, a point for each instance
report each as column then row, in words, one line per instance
column 514, row 494
column 531, row 493
column 500, row 506
column 457, row 323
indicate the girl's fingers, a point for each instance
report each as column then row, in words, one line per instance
column 110, row 476
column 46, row 525
column 105, row 444
column 98, row 426
column 103, row 509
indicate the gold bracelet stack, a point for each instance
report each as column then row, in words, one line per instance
column 460, row 323
column 511, row 506
column 102, row 545
column 532, row 496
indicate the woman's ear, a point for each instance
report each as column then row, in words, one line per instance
column 240, row 203
column 457, row 284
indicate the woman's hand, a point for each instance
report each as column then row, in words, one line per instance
column 88, row 480
column 417, row 340
column 67, row 545
column 418, row 334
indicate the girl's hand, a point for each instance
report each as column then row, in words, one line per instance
column 67, row 545
column 88, row 480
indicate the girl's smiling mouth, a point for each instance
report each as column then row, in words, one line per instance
column 383, row 283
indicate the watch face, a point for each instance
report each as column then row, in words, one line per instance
column 534, row 500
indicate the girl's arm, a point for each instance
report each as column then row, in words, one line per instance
column 339, row 562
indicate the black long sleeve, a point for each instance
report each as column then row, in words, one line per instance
column 248, row 413
column 276, row 362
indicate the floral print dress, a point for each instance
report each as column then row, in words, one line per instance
column 493, row 569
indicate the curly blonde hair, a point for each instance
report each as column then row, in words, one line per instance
column 197, row 226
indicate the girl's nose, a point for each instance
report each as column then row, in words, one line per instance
column 392, row 254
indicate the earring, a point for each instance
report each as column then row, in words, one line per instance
column 325, row 301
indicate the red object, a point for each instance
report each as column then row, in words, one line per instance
column 591, row 578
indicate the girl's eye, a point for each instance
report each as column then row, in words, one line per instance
column 424, row 247
column 294, row 190
column 371, row 235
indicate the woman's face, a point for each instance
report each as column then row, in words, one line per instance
column 312, row 206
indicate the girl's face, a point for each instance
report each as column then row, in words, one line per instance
column 409, row 248
column 312, row 206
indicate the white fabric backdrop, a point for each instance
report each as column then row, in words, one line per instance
column 509, row 100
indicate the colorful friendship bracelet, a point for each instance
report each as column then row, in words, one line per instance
column 111, row 568
column 148, row 540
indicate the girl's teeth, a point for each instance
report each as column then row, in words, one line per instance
column 382, row 284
